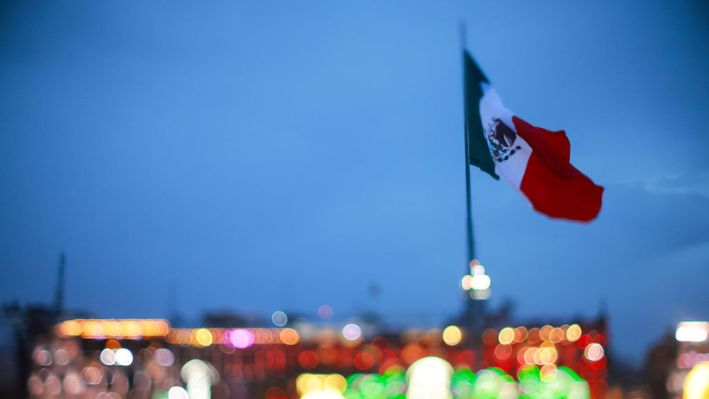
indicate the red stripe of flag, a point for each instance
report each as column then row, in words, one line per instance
column 551, row 183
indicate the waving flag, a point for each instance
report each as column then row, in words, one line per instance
column 533, row 160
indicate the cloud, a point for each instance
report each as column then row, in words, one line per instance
column 675, row 184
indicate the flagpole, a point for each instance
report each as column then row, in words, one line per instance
column 473, row 310
column 470, row 243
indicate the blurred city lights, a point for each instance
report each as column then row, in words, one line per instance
column 573, row 333
column 42, row 357
column 557, row 335
column 696, row 385
column 551, row 382
column 61, row 357
column 320, row 383
column 452, row 335
column 108, row 357
column 199, row 376
column 351, row 332
column 279, row 318
column 241, row 338
column 324, row 394
column 542, row 351
column 92, row 375
column 325, row 312
column 123, row 357
column 493, row 383
column 177, row 393
column 429, row 378
column 692, row 331
column 203, row 337
column 477, row 283
column 506, row 336
column 289, row 336
column 72, row 384
column 114, row 328
column 593, row 352
column 548, row 372
column 481, row 282
column 164, row 357
column 390, row 385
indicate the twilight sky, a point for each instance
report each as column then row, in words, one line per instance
column 281, row 155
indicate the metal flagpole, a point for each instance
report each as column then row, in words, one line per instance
column 474, row 309
column 470, row 243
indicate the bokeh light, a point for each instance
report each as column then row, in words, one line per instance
column 108, row 357
column 452, row 335
column 164, row 357
column 114, row 328
column 241, row 338
column 493, row 383
column 429, row 378
column 177, row 393
column 696, row 385
column 317, row 383
column 203, row 337
column 506, row 336
column 573, row 333
column 351, row 332
column 325, row 312
column 593, row 352
column 279, row 318
column 692, row 331
column 289, row 336
column 124, row 357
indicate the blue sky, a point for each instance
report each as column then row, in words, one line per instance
column 269, row 155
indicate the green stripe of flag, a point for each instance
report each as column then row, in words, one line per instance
column 478, row 151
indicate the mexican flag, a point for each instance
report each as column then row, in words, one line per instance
column 533, row 160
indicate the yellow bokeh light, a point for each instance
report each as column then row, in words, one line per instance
column 506, row 336
column 311, row 383
column 131, row 329
column 547, row 353
column 335, row 382
column 114, row 328
column 573, row 333
column 307, row 383
column 696, row 385
column 452, row 335
column 70, row 328
column 203, row 337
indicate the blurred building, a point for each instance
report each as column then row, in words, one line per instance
column 688, row 374
column 146, row 358
column 481, row 354
column 21, row 328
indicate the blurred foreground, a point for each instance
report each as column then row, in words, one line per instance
column 147, row 358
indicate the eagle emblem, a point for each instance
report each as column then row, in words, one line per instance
column 501, row 140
